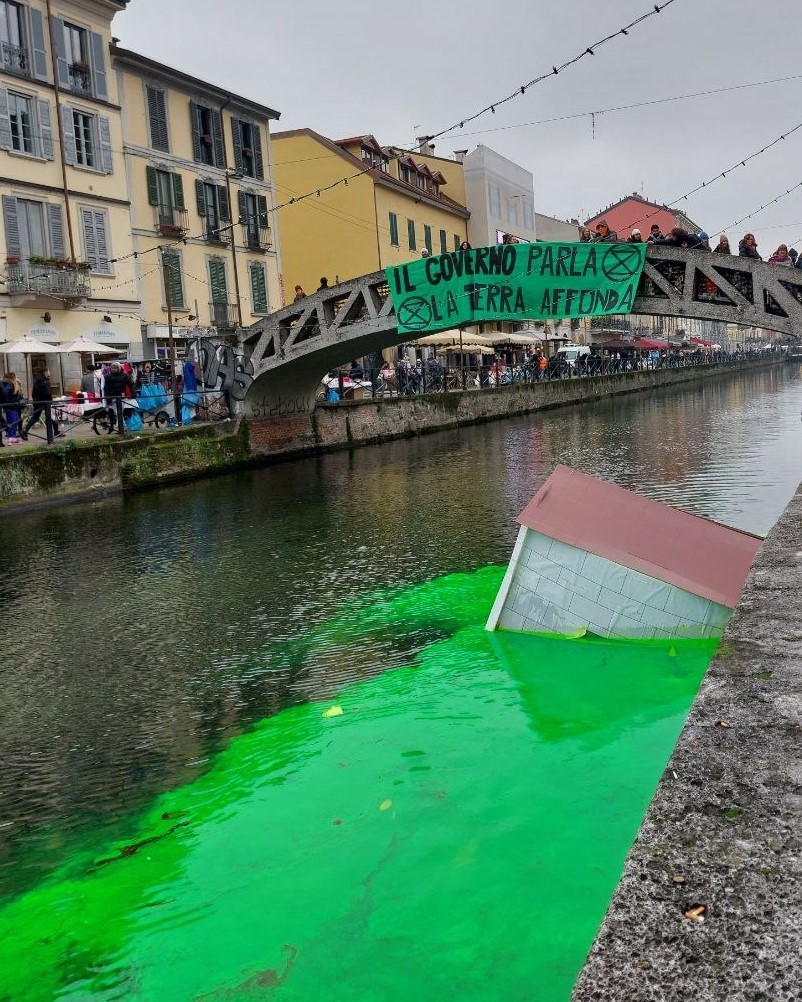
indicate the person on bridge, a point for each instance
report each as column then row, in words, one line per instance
column 748, row 247
column 781, row 256
column 604, row 235
column 465, row 246
column 655, row 235
column 585, row 235
column 723, row 245
column 299, row 294
column 324, row 284
column 635, row 237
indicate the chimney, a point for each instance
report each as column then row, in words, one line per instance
column 459, row 155
column 424, row 146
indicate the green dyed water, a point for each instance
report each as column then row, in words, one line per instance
column 456, row 831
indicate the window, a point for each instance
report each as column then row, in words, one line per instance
column 253, row 216
column 76, row 49
column 435, row 189
column 80, row 59
column 95, row 228
column 495, row 201
column 171, row 260
column 259, row 297
column 207, row 135
column 248, row 149
column 403, row 173
column 33, row 229
column 411, row 234
column 12, row 37
column 393, row 229
column 420, row 181
column 166, row 195
column 21, row 117
column 87, row 140
column 443, row 242
column 512, row 209
column 214, row 209
column 457, row 241
column 157, row 117
column 529, row 221
column 427, row 238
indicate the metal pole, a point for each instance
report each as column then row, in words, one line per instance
column 167, row 272
column 233, row 250
column 57, row 94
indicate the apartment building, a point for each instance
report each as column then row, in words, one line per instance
column 63, row 189
column 401, row 203
column 199, row 165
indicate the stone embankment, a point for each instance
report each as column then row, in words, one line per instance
column 710, row 904
column 90, row 468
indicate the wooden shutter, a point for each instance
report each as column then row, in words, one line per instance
column 218, row 140
column 55, row 221
column 38, row 50
column 443, row 242
column 175, row 283
column 411, row 233
column 243, row 207
column 106, row 156
column 62, row 68
column 45, row 128
column 196, row 133
column 157, row 116
column 236, row 135
column 178, row 192
column 98, row 47
column 103, row 263
column 88, row 226
column 427, row 238
column 222, row 203
column 6, row 142
column 258, row 287
column 153, row 185
column 68, row 136
column 200, row 196
column 217, row 280
column 11, row 222
column 261, row 203
column 258, row 160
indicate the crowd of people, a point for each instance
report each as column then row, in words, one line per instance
column 679, row 237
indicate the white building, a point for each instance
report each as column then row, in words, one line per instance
column 500, row 196
column 556, row 230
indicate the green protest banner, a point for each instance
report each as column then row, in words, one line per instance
column 541, row 281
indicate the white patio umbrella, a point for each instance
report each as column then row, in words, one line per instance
column 27, row 346
column 84, row 345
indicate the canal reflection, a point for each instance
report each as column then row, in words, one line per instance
column 142, row 634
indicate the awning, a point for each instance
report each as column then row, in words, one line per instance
column 451, row 337
column 645, row 344
column 27, row 345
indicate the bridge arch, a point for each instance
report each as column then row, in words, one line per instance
column 290, row 349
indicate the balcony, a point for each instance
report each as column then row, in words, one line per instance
column 80, row 79
column 223, row 315
column 65, row 281
column 170, row 222
column 257, row 238
column 212, row 233
column 15, row 59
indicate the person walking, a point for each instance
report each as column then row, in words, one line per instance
column 41, row 394
column 11, row 397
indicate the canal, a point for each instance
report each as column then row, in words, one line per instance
column 283, row 672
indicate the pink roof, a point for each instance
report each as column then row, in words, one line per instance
column 703, row 557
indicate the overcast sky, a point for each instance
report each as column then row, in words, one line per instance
column 346, row 67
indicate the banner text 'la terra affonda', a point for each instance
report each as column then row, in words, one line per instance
column 540, row 281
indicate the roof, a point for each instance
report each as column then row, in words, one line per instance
column 194, row 83
column 700, row 556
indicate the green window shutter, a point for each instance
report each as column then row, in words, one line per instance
column 258, row 159
column 258, row 287
column 157, row 115
column 236, row 135
column 393, row 229
column 242, row 203
column 218, row 140
column 175, row 280
column 222, row 204
column 153, row 186
column 200, row 196
column 194, row 119
column 217, row 280
column 427, row 238
column 178, row 192
column 457, row 241
column 411, row 234
column 261, row 202
column 443, row 242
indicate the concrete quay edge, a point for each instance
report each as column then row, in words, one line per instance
column 724, row 828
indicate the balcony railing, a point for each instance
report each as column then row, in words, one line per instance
column 80, row 79
column 170, row 222
column 224, row 315
column 259, row 238
column 67, row 280
column 214, row 235
column 15, row 59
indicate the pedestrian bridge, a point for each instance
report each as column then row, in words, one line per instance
column 291, row 349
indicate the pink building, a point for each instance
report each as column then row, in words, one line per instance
column 635, row 211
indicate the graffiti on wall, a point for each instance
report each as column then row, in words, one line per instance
column 223, row 367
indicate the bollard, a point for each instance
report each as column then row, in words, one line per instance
column 49, row 422
column 118, row 406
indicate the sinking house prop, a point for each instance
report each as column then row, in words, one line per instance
column 593, row 557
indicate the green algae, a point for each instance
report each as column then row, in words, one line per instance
column 457, row 831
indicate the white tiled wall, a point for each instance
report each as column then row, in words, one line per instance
column 556, row 588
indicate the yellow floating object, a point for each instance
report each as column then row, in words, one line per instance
column 333, row 711
column 385, row 805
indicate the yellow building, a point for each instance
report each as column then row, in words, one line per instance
column 383, row 217
column 199, row 166
column 63, row 183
